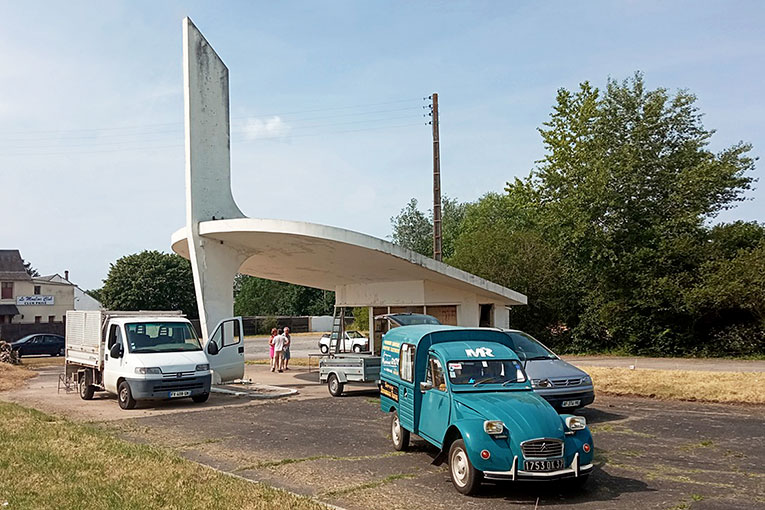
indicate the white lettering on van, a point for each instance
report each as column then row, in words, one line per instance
column 480, row 352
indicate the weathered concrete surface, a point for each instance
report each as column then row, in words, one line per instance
column 649, row 455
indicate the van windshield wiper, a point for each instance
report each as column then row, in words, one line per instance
column 537, row 358
column 482, row 381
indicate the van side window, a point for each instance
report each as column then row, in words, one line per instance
column 406, row 362
column 435, row 374
column 115, row 337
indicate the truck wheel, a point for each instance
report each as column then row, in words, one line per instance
column 324, row 348
column 124, row 396
column 465, row 477
column 200, row 398
column 356, row 348
column 334, row 385
column 86, row 389
column 398, row 434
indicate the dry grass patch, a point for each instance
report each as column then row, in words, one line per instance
column 54, row 463
column 739, row 387
column 13, row 376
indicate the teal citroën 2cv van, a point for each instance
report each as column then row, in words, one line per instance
column 464, row 390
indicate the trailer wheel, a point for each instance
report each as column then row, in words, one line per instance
column 398, row 434
column 465, row 477
column 334, row 386
column 125, row 396
column 86, row 389
column 200, row 398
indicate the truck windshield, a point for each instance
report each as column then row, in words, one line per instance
column 161, row 337
column 476, row 372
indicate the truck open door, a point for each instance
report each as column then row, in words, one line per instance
column 225, row 350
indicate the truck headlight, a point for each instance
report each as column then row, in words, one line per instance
column 493, row 427
column 147, row 370
column 203, row 367
column 576, row 423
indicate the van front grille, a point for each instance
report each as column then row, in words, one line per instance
column 192, row 383
column 542, row 448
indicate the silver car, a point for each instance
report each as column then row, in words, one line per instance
column 563, row 385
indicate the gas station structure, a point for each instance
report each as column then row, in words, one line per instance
column 363, row 271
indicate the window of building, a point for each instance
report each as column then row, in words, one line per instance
column 51, row 318
column 37, row 290
column 6, row 290
column 38, row 318
column 406, row 362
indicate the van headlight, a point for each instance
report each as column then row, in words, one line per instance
column 203, row 368
column 586, row 380
column 147, row 370
column 576, row 423
column 541, row 383
column 493, row 427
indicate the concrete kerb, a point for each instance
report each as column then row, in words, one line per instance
column 254, row 391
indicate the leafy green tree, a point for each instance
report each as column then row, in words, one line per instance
column 258, row 296
column 413, row 229
column 150, row 280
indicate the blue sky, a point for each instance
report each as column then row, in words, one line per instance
column 326, row 100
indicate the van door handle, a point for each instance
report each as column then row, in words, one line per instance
column 241, row 349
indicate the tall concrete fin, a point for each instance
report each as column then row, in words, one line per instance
column 208, row 177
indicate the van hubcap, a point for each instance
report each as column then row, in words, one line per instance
column 460, row 467
column 123, row 394
column 396, row 432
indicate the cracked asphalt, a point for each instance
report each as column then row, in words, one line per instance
column 649, row 454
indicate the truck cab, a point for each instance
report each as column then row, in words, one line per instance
column 465, row 391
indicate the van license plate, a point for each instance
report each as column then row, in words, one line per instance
column 543, row 465
column 571, row 403
column 177, row 394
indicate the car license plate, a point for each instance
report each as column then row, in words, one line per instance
column 571, row 403
column 177, row 394
column 543, row 465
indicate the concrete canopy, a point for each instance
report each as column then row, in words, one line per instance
column 362, row 269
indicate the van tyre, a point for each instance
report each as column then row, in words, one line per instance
column 334, row 385
column 465, row 477
column 398, row 434
column 85, row 388
column 200, row 398
column 125, row 396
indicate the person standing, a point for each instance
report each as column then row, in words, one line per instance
column 278, row 349
column 286, row 350
column 274, row 332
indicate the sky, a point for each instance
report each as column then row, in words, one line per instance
column 327, row 106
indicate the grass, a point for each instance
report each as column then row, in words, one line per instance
column 13, row 376
column 42, row 361
column 47, row 462
column 733, row 387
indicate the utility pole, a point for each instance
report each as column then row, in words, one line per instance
column 436, row 181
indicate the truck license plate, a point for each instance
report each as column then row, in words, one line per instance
column 543, row 465
column 177, row 394
column 571, row 403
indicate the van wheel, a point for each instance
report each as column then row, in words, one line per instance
column 398, row 434
column 324, row 348
column 125, row 396
column 465, row 477
column 200, row 398
column 334, row 385
column 86, row 389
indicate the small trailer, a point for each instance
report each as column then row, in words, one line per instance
column 340, row 369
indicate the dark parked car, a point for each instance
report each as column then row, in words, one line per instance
column 40, row 343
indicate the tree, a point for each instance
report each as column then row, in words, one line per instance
column 150, row 280
column 413, row 229
column 31, row 271
column 258, row 296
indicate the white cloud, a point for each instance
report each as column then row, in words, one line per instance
column 272, row 127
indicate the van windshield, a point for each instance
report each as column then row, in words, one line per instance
column 161, row 337
column 477, row 372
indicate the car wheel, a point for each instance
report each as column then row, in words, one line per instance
column 125, row 396
column 61, row 352
column 465, row 477
column 324, row 348
column 356, row 348
column 86, row 389
column 334, row 385
column 200, row 398
column 398, row 434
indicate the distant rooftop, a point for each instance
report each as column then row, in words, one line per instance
column 12, row 266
